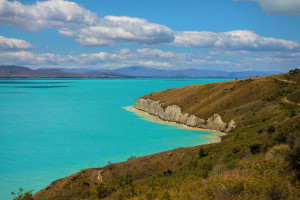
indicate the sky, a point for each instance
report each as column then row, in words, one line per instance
column 228, row 35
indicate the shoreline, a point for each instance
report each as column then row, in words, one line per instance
column 215, row 136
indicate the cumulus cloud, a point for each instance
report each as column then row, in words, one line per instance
column 278, row 7
column 45, row 14
column 154, row 63
column 88, row 29
column 155, row 53
column 122, row 29
column 122, row 57
column 12, row 44
column 238, row 60
column 234, row 40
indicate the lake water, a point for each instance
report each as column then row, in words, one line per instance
column 51, row 128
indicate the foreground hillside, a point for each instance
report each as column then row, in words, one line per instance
column 259, row 159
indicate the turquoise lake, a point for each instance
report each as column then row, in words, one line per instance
column 51, row 128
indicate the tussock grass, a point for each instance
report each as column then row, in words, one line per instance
column 258, row 160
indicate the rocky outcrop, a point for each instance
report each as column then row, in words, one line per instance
column 173, row 113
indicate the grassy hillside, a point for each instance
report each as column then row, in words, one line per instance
column 232, row 99
column 260, row 159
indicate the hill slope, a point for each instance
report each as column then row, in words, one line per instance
column 232, row 99
column 258, row 160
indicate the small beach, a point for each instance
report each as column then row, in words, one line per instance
column 215, row 136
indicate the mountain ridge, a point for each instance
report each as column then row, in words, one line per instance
column 13, row 71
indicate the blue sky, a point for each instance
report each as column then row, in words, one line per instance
column 230, row 35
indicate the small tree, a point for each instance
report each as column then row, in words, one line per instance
column 22, row 196
column 202, row 153
column 293, row 113
column 109, row 165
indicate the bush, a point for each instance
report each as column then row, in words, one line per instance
column 294, row 160
column 280, row 137
column 22, row 196
column 271, row 129
column 290, row 140
column 202, row 153
column 293, row 113
column 236, row 150
column 103, row 191
column 276, row 191
column 167, row 172
column 254, row 148
column 126, row 179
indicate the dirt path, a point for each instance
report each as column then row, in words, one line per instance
column 286, row 81
column 285, row 100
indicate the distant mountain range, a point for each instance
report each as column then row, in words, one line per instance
column 195, row 73
column 12, row 71
column 133, row 71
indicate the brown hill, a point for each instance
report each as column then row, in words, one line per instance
column 232, row 99
column 258, row 160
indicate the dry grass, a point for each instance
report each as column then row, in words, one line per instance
column 258, row 160
column 227, row 99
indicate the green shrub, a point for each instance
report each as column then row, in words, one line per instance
column 294, row 160
column 202, row 153
column 104, row 191
column 276, row 191
column 293, row 113
column 126, row 179
column 22, row 196
column 254, row 148
column 290, row 140
column 271, row 129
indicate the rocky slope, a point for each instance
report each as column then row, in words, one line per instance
column 173, row 113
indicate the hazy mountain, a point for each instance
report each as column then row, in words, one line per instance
column 140, row 71
column 12, row 71
column 133, row 71
column 74, row 70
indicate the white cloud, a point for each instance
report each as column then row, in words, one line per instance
column 199, row 39
column 154, row 63
column 278, row 7
column 227, row 60
column 88, row 29
column 123, row 29
column 233, row 40
column 155, row 53
column 45, row 14
column 12, row 44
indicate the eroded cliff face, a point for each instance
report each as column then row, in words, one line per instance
column 173, row 113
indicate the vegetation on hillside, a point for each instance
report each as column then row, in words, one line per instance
column 260, row 159
column 21, row 195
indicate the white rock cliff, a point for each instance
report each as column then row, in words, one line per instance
column 173, row 113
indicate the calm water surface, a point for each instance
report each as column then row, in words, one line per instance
column 51, row 128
